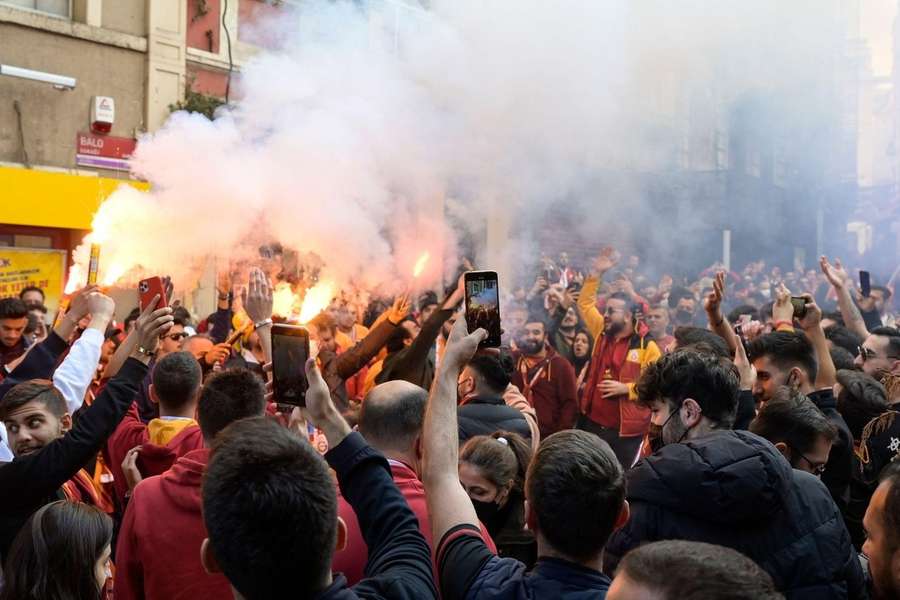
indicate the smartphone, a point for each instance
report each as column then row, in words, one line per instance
column 799, row 304
column 290, row 350
column 150, row 287
column 483, row 305
column 865, row 283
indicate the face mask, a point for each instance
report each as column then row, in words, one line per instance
column 491, row 514
column 654, row 436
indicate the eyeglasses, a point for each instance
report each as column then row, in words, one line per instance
column 610, row 310
column 176, row 337
column 867, row 354
column 817, row 470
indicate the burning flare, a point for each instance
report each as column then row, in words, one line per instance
column 420, row 264
column 283, row 300
column 316, row 300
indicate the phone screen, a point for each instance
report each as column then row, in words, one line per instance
column 865, row 283
column 290, row 350
column 483, row 305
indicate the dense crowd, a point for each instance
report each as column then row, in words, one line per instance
column 733, row 436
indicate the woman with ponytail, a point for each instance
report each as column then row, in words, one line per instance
column 492, row 470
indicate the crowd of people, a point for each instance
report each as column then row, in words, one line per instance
column 734, row 436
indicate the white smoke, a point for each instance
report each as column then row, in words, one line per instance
column 350, row 137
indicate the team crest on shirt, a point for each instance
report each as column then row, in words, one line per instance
column 634, row 356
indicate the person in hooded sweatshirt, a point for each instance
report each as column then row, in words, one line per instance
column 731, row 488
column 175, row 386
column 158, row 550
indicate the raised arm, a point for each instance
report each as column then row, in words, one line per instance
column 73, row 377
column 257, row 300
column 448, row 503
column 399, row 560
column 587, row 300
column 826, row 375
column 350, row 362
column 717, row 321
column 37, row 475
column 838, row 278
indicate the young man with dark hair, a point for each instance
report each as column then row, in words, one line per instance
column 690, row 336
column 841, row 337
column 50, row 452
column 545, row 378
column 879, row 354
column 607, row 406
column 482, row 409
column 574, row 489
column 158, row 550
column 882, row 523
column 802, row 361
column 677, row 570
column 860, row 398
column 782, row 518
column 273, row 531
column 391, row 421
column 797, row 428
column 32, row 296
column 13, row 320
column 175, row 386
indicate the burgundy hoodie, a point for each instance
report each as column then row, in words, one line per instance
column 158, row 552
column 153, row 459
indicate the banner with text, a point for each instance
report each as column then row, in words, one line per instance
column 24, row 267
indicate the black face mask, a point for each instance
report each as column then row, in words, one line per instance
column 684, row 317
column 654, row 437
column 491, row 514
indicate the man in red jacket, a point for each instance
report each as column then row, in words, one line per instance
column 391, row 421
column 175, row 385
column 545, row 378
column 158, row 551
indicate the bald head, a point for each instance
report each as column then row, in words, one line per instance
column 392, row 415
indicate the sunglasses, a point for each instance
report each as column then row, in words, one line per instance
column 867, row 353
column 176, row 337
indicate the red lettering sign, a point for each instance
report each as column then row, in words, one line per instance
column 107, row 146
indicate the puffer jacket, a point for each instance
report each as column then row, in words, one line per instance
column 735, row 489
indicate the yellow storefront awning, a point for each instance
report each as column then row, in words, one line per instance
column 49, row 199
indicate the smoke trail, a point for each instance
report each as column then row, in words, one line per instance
column 352, row 140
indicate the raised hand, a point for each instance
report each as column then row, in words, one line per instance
column 783, row 310
column 151, row 324
column 607, row 259
column 713, row 301
column 836, row 274
column 813, row 316
column 79, row 306
column 745, row 368
column 399, row 310
column 256, row 298
column 462, row 345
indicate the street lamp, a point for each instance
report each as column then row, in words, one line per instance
column 60, row 82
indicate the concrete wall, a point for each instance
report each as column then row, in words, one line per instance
column 126, row 16
column 52, row 118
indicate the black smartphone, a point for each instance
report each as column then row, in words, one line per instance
column 799, row 304
column 290, row 350
column 865, row 284
column 483, row 305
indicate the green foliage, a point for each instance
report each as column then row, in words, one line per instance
column 199, row 103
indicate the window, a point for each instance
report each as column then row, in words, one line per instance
column 60, row 8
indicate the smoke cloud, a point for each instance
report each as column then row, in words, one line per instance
column 369, row 135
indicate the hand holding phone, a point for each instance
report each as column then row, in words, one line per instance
column 865, row 284
column 483, row 305
column 799, row 304
column 148, row 289
column 290, row 350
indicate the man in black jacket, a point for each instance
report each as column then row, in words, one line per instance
column 482, row 409
column 731, row 488
column 48, row 460
column 413, row 359
column 273, row 530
